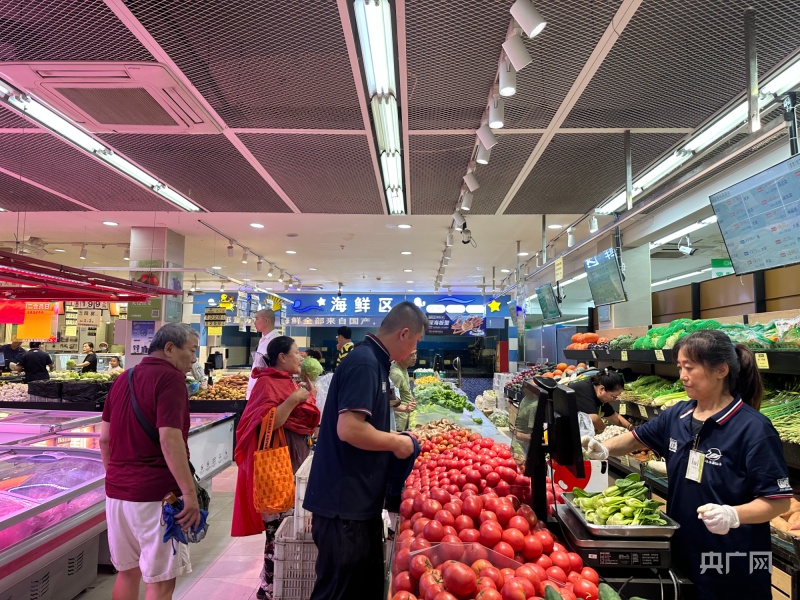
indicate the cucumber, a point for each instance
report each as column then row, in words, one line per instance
column 550, row 593
column 606, row 592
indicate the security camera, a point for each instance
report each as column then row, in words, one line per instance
column 687, row 250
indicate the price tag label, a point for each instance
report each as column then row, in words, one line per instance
column 594, row 354
column 623, row 408
column 625, row 460
column 762, row 360
column 643, row 411
column 624, row 355
column 659, row 355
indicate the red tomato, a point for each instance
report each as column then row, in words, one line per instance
column 507, row 574
column 583, row 588
column 560, row 559
column 546, row 538
column 572, row 577
column 473, row 476
column 559, row 547
column 474, row 551
column 445, row 596
column 419, row 565
column 532, row 548
column 429, row 579
column 504, row 550
column 544, row 562
column 407, row 508
column 400, row 563
column 491, row 503
column 453, row 508
column 472, row 507
column 404, row 596
column 434, row 532
column 402, row 582
column 461, row 481
column 409, row 493
column 566, row 594
column 492, row 479
column 440, row 495
column 518, row 588
column 514, row 538
column 444, row 517
column 433, row 591
column 529, row 573
column 540, row 571
column 492, row 573
column 480, row 564
column 491, row 533
column 419, row 499
column 487, row 515
column 575, row 561
column 451, row 548
column 430, row 508
column 460, row 580
column 557, row 574
column 485, row 582
column 590, row 574
column 545, row 584
column 463, row 522
column 488, row 594
column 419, row 525
column 419, row 543
column 449, row 530
column 514, row 501
column 406, row 524
column 502, row 488
column 469, row 535
column 470, row 487
column 484, row 470
column 504, row 513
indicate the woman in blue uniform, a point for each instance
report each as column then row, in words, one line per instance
column 727, row 474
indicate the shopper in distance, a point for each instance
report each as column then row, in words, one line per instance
column 344, row 342
column 350, row 473
column 141, row 472
column 264, row 323
column 35, row 363
column 727, row 474
column 405, row 404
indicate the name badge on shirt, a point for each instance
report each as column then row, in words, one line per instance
column 694, row 472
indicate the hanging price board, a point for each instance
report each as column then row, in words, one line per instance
column 659, row 355
column 643, row 411
column 624, row 355
column 762, row 360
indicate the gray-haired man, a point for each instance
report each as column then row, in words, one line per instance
column 264, row 323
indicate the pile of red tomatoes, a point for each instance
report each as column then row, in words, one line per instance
column 467, row 533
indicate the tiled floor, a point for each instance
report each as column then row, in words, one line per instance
column 223, row 568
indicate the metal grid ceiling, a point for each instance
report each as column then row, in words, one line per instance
column 578, row 171
column 679, row 62
column 496, row 178
column 260, row 64
column 60, row 167
column 205, row 168
column 11, row 120
column 438, row 162
column 18, row 196
column 342, row 182
column 559, row 53
column 452, row 55
column 65, row 30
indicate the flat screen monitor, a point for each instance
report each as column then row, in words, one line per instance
column 605, row 278
column 759, row 218
column 565, row 445
column 548, row 302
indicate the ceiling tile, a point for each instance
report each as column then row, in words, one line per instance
column 678, row 63
column 320, row 173
column 11, row 120
column 18, row 196
column 205, row 168
column 438, row 162
column 496, row 178
column 578, row 171
column 57, row 165
column 64, row 30
column 260, row 64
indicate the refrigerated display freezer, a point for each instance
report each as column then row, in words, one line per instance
column 17, row 425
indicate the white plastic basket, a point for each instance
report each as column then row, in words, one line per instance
column 302, row 518
column 295, row 561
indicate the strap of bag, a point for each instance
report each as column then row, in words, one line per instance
column 265, row 437
column 149, row 429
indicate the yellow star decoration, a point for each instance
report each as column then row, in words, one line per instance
column 494, row 306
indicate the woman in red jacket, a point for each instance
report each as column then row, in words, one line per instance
column 297, row 412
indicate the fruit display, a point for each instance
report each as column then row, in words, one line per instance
column 217, row 392
column 582, row 341
column 466, row 531
column 13, row 392
column 623, row 503
column 561, row 372
column 433, row 430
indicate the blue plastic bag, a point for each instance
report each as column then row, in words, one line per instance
column 173, row 531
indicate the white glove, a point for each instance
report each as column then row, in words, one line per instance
column 594, row 449
column 718, row 518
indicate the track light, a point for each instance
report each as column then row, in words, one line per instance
column 244, row 257
column 269, row 273
column 286, row 277
column 259, row 264
column 507, row 79
column 126, row 254
column 483, row 155
column 449, row 241
column 486, row 137
column 496, row 112
column 83, row 252
column 526, row 15
column 593, row 225
column 516, row 52
column 448, row 253
column 230, row 248
column 570, row 238
column 459, row 219
column 221, row 287
column 466, row 201
column 471, row 181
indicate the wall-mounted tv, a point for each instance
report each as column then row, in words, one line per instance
column 605, row 278
column 548, row 302
column 759, row 218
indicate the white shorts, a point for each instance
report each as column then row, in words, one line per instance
column 135, row 539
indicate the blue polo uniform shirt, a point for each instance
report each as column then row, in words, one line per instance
column 345, row 481
column 743, row 461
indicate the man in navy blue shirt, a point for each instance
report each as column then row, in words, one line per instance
column 350, row 472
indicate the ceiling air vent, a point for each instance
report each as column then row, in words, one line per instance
column 113, row 97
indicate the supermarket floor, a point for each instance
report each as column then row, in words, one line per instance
column 223, row 568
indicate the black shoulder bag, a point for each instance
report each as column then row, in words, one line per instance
column 203, row 499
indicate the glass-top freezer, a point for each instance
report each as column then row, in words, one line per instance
column 16, row 425
column 84, row 441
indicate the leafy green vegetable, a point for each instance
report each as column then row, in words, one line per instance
column 311, row 367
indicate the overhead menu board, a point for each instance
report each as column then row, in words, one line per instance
column 759, row 218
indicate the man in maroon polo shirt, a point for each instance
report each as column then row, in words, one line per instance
column 139, row 472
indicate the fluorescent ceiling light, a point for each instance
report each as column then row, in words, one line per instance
column 554, row 226
column 516, row 52
column 574, row 279
column 291, row 252
column 404, row 226
column 409, row 281
column 110, row 223
column 58, row 250
column 387, row 124
column 670, row 163
column 407, row 271
column 312, row 268
column 507, row 79
column 677, row 277
column 392, row 167
column 505, row 270
column 176, row 198
column 128, row 168
column 483, row 155
column 216, row 267
column 43, row 115
column 676, row 235
column 374, row 23
column 528, row 17
column 257, row 225
column 405, row 253
column 522, row 253
column 396, row 201
column 609, row 207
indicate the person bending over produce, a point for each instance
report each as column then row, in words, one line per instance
column 297, row 412
column 727, row 474
column 405, row 405
column 594, row 396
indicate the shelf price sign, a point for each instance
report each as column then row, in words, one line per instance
column 624, row 355
column 659, row 355
column 762, row 360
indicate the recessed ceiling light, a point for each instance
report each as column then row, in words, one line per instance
column 59, row 250
column 555, row 227
column 216, row 267
column 409, row 290
column 406, row 252
column 311, row 269
column 407, row 271
column 505, row 270
column 291, row 252
column 409, row 282
column 257, row 225
column 110, row 223
column 245, row 279
column 522, row 254
column 404, row 226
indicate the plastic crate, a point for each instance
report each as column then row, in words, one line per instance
column 295, row 564
column 302, row 518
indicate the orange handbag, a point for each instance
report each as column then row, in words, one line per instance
column 273, row 478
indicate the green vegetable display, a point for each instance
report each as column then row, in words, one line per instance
column 477, row 420
column 624, row 503
column 441, row 394
column 311, row 368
